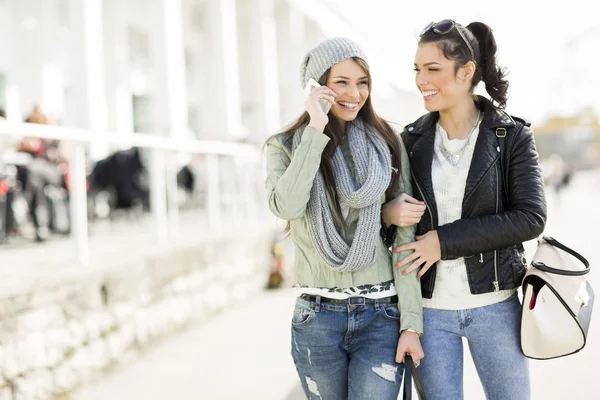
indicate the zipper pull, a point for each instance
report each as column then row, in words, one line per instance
column 480, row 258
column 497, row 286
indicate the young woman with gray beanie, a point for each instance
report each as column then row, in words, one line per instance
column 328, row 175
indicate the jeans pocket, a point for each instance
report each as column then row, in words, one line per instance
column 390, row 311
column 302, row 315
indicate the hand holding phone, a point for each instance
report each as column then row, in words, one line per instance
column 325, row 104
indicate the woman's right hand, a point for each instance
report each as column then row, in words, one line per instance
column 410, row 343
column 318, row 119
column 403, row 211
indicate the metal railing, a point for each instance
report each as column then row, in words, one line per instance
column 163, row 183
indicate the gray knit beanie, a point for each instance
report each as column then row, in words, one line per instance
column 326, row 54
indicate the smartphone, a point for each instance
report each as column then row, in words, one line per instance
column 325, row 105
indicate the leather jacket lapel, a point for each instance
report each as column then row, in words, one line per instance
column 421, row 160
column 421, row 156
column 485, row 155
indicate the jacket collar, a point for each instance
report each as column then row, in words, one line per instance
column 492, row 118
column 485, row 152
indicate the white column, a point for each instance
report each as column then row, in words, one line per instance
column 223, row 92
column 259, row 82
column 175, row 66
column 265, row 49
column 118, row 75
column 290, row 35
column 89, row 87
column 88, row 67
column 171, row 47
column 26, row 69
column 10, row 28
column 157, row 196
column 52, row 96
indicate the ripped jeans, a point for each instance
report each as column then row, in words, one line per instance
column 347, row 351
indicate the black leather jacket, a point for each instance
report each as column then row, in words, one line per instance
column 494, row 223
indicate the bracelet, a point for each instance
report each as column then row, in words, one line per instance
column 419, row 334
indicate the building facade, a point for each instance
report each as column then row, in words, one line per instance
column 211, row 69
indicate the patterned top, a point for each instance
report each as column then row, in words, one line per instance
column 376, row 291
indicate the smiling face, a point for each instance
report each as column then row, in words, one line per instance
column 351, row 84
column 439, row 81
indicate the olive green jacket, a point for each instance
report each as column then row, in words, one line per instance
column 289, row 182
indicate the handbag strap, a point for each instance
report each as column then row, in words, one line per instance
column 543, row 267
column 501, row 135
column 410, row 376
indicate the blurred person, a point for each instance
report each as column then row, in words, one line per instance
column 45, row 169
column 567, row 176
column 123, row 176
column 328, row 175
column 561, row 173
column 5, row 213
column 275, row 280
column 36, row 116
column 479, row 211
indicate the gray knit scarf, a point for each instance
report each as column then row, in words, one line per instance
column 372, row 160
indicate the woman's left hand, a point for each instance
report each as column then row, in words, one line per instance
column 427, row 252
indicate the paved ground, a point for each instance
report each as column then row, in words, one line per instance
column 244, row 353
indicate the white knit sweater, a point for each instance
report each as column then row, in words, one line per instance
column 451, row 285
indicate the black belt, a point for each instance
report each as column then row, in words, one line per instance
column 349, row 300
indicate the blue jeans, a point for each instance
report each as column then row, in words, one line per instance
column 494, row 341
column 347, row 351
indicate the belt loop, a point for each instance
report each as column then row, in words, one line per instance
column 318, row 302
column 376, row 304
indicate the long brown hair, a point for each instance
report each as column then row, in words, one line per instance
column 334, row 130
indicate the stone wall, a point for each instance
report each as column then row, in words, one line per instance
column 56, row 336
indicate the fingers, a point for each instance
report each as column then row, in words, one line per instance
column 404, row 247
column 424, row 269
column 411, row 200
column 400, row 353
column 323, row 90
column 413, row 207
column 324, row 96
column 404, row 222
column 409, row 343
column 417, row 356
column 413, row 267
column 407, row 218
column 329, row 99
column 407, row 260
column 403, row 210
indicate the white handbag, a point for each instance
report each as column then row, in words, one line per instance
column 557, row 302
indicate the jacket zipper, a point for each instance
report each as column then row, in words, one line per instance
column 433, row 271
column 496, row 283
column 424, row 199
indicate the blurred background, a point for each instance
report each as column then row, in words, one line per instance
column 138, row 259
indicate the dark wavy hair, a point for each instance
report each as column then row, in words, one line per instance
column 483, row 43
column 334, row 130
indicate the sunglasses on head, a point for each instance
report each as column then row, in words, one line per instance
column 445, row 26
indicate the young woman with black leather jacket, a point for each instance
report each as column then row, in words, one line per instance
column 482, row 203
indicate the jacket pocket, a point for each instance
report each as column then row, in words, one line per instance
column 519, row 264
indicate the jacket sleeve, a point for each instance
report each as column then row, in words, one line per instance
column 410, row 302
column 524, row 220
column 290, row 179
